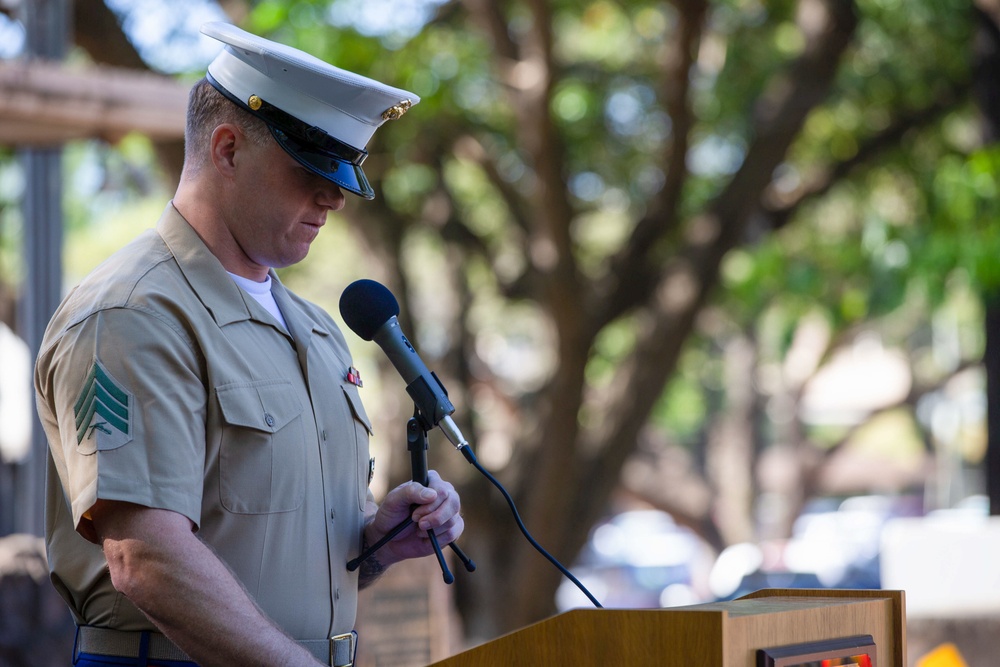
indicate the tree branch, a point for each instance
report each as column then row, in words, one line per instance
column 685, row 284
column 489, row 15
column 778, row 209
column 629, row 274
column 97, row 31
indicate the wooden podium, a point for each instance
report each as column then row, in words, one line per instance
column 722, row 634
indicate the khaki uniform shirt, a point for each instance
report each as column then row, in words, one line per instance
column 161, row 383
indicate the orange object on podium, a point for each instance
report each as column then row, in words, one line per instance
column 719, row 634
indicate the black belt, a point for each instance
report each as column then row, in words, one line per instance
column 337, row 651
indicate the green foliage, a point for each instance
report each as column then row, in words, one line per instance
column 878, row 244
column 877, row 249
column 897, row 242
column 963, row 200
column 686, row 405
column 610, row 349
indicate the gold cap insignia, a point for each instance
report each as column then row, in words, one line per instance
column 254, row 102
column 394, row 112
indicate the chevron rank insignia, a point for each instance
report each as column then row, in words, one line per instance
column 103, row 411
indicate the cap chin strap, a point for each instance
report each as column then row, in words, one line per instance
column 275, row 118
column 309, row 145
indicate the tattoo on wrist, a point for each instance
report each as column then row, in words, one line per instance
column 371, row 568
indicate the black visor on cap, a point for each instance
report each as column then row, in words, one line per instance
column 346, row 175
column 311, row 146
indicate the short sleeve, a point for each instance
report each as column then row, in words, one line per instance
column 126, row 388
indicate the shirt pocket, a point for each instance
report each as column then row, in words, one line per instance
column 362, row 431
column 262, row 453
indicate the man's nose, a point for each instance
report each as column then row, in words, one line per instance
column 330, row 196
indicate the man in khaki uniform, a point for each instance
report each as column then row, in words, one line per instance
column 209, row 468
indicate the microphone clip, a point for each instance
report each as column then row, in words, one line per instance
column 425, row 395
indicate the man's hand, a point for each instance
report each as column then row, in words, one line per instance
column 435, row 507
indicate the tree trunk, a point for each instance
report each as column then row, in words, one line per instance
column 991, row 362
column 986, row 55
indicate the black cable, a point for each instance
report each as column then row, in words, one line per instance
column 471, row 458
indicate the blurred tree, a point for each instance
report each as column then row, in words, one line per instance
column 986, row 51
column 586, row 174
column 579, row 182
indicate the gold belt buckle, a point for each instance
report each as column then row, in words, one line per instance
column 337, row 641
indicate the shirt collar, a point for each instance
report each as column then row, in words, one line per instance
column 209, row 280
column 203, row 270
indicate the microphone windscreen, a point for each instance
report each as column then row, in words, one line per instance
column 366, row 305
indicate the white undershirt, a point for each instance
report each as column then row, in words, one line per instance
column 261, row 292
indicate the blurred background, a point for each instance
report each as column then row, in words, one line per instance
column 713, row 284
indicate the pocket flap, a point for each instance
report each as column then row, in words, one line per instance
column 354, row 398
column 265, row 405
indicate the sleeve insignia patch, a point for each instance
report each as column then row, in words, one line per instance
column 103, row 411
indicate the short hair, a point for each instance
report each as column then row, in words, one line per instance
column 207, row 109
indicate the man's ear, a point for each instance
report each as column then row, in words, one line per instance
column 226, row 138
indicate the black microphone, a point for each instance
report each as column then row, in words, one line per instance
column 370, row 310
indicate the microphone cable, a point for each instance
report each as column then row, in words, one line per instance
column 471, row 458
